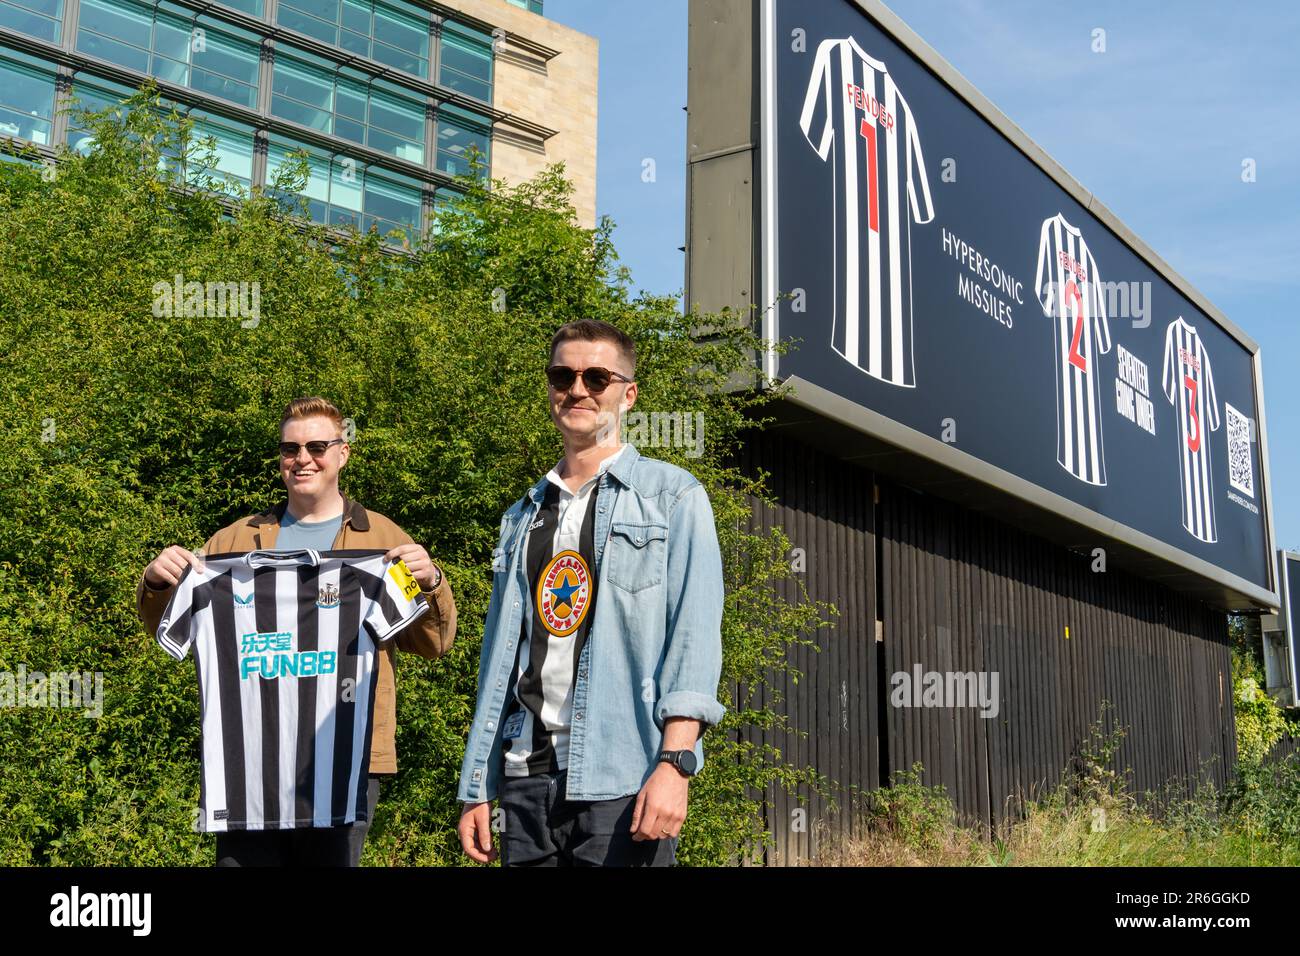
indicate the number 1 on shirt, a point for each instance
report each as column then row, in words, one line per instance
column 868, row 131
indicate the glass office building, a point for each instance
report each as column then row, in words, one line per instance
column 388, row 99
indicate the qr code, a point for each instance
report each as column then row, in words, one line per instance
column 1241, row 473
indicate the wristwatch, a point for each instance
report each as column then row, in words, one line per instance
column 683, row 760
column 437, row 579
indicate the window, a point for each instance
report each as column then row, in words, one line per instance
column 302, row 94
column 316, row 18
column 92, row 98
column 181, row 51
column 42, row 19
column 459, row 131
column 444, row 199
column 116, row 32
column 465, row 61
column 394, row 33
column 280, row 155
column 251, row 7
column 20, row 160
column 226, row 68
column 26, row 102
column 341, row 191
column 397, row 127
column 218, row 148
column 231, row 146
column 401, row 39
column 347, row 182
column 380, row 115
column 390, row 204
column 533, row 6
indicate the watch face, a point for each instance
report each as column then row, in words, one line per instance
column 686, row 760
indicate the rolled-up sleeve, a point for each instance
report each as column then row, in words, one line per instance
column 692, row 666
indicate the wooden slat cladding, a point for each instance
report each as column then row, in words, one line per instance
column 1285, row 748
column 826, row 511
column 960, row 593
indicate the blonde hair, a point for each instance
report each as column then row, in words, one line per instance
column 311, row 407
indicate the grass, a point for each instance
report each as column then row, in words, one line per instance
column 918, row 829
column 1088, row 820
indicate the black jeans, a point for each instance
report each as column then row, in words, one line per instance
column 307, row 846
column 542, row 828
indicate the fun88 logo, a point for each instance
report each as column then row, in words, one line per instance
column 282, row 661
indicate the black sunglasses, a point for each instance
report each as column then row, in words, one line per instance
column 596, row 379
column 289, row 449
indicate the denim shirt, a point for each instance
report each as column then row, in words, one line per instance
column 655, row 646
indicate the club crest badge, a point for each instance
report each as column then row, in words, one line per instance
column 328, row 597
column 564, row 593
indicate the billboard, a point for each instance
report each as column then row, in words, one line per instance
column 1289, row 587
column 943, row 277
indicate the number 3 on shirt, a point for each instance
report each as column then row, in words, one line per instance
column 1193, row 441
column 868, row 131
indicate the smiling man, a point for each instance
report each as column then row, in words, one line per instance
column 602, row 649
column 319, row 517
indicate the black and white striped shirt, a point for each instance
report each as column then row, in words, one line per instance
column 1070, row 292
column 1189, row 386
column 559, row 549
column 857, row 121
column 284, row 645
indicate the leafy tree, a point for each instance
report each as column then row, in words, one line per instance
column 134, row 425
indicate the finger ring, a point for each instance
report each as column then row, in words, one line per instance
column 663, row 831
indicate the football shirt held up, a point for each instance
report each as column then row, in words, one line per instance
column 284, row 645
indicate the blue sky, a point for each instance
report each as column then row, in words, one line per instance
column 1184, row 92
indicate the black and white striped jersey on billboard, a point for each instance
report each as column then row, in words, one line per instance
column 854, row 116
column 284, row 645
column 1189, row 385
column 1069, row 290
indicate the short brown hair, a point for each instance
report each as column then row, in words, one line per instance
column 311, row 407
column 594, row 330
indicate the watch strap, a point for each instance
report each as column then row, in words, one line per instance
column 436, row 584
column 674, row 757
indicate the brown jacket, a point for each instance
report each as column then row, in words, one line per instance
column 429, row 636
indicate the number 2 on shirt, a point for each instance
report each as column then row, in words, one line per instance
column 1076, row 359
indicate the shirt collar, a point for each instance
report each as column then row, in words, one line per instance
column 353, row 514
column 553, row 476
column 618, row 464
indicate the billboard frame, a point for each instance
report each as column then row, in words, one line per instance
column 835, row 408
column 1285, row 613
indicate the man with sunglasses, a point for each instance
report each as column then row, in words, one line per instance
column 602, row 649
column 318, row 516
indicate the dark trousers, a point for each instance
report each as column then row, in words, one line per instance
column 543, row 828
column 307, row 846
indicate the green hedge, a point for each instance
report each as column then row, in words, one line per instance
column 129, row 431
